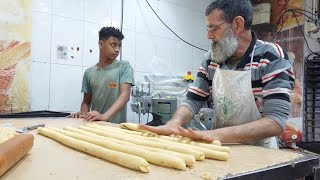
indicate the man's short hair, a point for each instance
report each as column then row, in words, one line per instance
column 232, row 9
column 107, row 32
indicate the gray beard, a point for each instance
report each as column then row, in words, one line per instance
column 222, row 50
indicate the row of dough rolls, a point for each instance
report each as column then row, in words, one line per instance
column 189, row 159
column 214, row 152
column 216, row 145
column 135, row 149
column 120, row 158
column 135, row 127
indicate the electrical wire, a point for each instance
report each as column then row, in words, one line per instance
column 300, row 11
column 294, row 11
column 315, row 15
column 305, row 11
column 303, row 33
column 172, row 30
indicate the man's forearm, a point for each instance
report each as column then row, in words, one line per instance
column 250, row 132
column 181, row 117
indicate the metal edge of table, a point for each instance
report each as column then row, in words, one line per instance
column 295, row 169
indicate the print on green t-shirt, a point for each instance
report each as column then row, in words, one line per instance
column 104, row 85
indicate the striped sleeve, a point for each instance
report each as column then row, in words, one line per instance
column 200, row 89
column 278, row 80
column 277, row 74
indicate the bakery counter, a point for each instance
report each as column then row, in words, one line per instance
column 49, row 159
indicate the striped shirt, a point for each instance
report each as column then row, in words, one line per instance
column 272, row 80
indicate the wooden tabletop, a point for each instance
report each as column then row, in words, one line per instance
column 49, row 159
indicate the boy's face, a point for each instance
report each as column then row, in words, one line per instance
column 110, row 47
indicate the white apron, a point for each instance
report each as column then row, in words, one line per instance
column 234, row 102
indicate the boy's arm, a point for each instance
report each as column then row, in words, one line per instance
column 120, row 103
column 85, row 105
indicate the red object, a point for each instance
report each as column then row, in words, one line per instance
column 291, row 134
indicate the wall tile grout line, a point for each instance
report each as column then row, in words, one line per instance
column 50, row 65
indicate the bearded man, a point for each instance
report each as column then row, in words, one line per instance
column 248, row 80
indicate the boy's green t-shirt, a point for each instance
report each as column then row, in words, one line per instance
column 104, row 85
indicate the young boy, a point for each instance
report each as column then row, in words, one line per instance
column 106, row 86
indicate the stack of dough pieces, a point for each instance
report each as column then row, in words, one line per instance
column 133, row 148
column 6, row 133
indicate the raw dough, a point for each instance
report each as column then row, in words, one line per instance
column 152, row 157
column 180, row 140
column 123, row 159
column 209, row 153
column 6, row 133
column 189, row 159
column 197, row 154
column 135, row 127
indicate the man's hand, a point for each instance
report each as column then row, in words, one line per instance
column 95, row 116
column 169, row 129
column 166, row 129
column 77, row 115
column 196, row 135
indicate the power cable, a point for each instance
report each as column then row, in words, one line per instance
column 172, row 30
column 300, row 11
column 304, row 37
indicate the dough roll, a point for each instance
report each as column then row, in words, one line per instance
column 189, row 159
column 168, row 138
column 135, row 127
column 197, row 154
column 112, row 128
column 209, row 153
column 152, row 157
column 123, row 159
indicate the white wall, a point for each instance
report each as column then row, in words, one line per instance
column 56, row 84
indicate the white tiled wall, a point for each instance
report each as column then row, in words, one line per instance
column 40, row 74
column 148, row 45
column 90, row 42
column 41, row 39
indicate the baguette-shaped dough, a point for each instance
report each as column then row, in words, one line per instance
column 147, row 134
column 135, row 127
column 115, row 129
column 197, row 154
column 209, row 153
column 123, row 159
column 80, row 131
column 215, row 145
column 189, row 159
column 132, row 126
column 152, row 157
column 216, row 142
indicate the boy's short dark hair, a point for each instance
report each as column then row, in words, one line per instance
column 107, row 32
